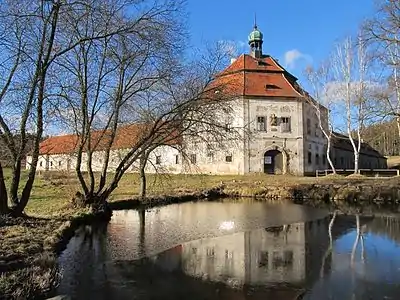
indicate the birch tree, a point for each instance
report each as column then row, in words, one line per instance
column 322, row 102
column 350, row 63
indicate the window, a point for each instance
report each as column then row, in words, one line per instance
column 261, row 124
column 308, row 126
column 158, row 159
column 324, row 159
column 228, row 158
column 209, row 152
column 193, row 158
column 51, row 164
column 41, row 164
column 317, row 159
column 285, row 124
column 228, row 254
column 263, row 259
column 177, row 159
column 309, row 157
column 342, row 161
column 282, row 259
column 59, row 163
column 316, row 130
column 227, row 127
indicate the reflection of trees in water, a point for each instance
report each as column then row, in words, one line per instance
column 142, row 231
column 84, row 259
column 387, row 226
column 328, row 253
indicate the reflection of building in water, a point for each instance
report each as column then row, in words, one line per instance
column 279, row 254
column 171, row 225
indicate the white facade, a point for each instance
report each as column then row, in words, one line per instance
column 292, row 137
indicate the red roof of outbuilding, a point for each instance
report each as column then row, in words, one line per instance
column 126, row 137
column 261, row 77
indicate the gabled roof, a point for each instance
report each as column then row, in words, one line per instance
column 260, row 77
column 341, row 141
column 126, row 137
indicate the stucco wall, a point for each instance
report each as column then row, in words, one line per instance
column 274, row 137
column 241, row 148
column 314, row 157
column 67, row 162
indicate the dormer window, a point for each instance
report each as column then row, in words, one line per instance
column 271, row 87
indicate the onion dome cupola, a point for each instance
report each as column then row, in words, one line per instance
column 255, row 42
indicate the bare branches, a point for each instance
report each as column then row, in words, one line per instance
column 384, row 27
column 322, row 103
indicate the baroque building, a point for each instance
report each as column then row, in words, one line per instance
column 282, row 133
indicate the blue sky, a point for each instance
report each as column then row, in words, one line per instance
column 304, row 30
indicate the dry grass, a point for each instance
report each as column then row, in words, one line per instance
column 27, row 268
column 53, row 190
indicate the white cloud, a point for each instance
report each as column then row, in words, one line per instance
column 291, row 57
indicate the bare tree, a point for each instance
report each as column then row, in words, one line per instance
column 350, row 63
column 382, row 31
column 384, row 27
column 134, row 79
column 35, row 35
column 28, row 38
column 322, row 103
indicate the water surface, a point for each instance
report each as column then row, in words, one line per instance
column 222, row 250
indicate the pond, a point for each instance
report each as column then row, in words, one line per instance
column 233, row 250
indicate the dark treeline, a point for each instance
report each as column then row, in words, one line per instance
column 383, row 137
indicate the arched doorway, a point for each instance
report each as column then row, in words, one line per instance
column 273, row 162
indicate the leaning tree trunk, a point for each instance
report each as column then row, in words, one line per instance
column 328, row 155
column 3, row 193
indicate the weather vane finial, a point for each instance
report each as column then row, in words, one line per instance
column 255, row 20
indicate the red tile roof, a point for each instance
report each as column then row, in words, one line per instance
column 262, row 77
column 125, row 138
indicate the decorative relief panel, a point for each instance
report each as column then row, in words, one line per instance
column 275, row 108
column 286, row 108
